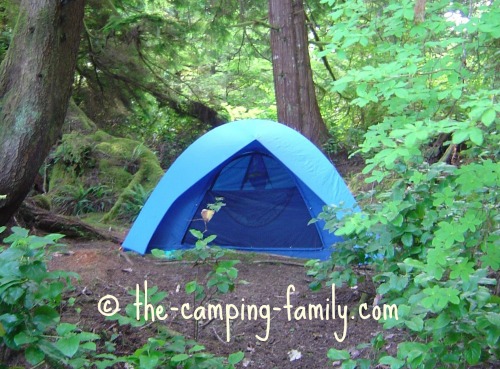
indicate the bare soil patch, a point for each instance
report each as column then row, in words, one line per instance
column 104, row 270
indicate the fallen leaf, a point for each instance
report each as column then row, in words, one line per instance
column 294, row 355
column 207, row 215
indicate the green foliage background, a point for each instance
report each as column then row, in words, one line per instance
column 417, row 98
column 430, row 226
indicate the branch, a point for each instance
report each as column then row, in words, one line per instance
column 324, row 59
column 256, row 22
column 92, row 59
column 193, row 109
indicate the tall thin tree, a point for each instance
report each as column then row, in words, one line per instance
column 293, row 82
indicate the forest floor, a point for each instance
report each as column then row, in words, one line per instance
column 105, row 270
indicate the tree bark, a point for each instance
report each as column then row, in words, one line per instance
column 33, row 216
column 293, row 83
column 35, row 86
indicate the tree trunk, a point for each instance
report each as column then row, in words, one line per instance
column 35, row 86
column 293, row 82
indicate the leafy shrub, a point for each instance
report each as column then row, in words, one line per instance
column 436, row 233
column 30, row 297
column 431, row 225
column 167, row 349
column 30, row 301
column 221, row 278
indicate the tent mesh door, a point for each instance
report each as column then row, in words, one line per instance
column 264, row 208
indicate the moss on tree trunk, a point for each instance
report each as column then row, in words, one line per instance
column 35, row 86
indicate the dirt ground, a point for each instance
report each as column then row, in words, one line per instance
column 105, row 270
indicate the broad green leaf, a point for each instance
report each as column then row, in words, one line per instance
column 412, row 350
column 44, row 317
column 88, row 336
column 36, row 271
column 34, row 355
column 462, row 270
column 415, row 324
column 407, row 239
column 232, row 273
column 393, row 362
column 196, row 348
column 441, row 321
column 179, row 358
column 191, row 287
column 23, row 338
column 349, row 364
column 68, row 345
column 197, row 234
column 494, row 318
column 210, row 238
column 148, row 362
column 334, row 354
column 363, row 364
column 491, row 255
column 476, row 136
column 460, row 136
column 456, row 94
column 473, row 352
column 18, row 231
column 157, row 253
column 91, row 346
column 223, row 287
column 488, row 117
column 439, row 297
column 235, row 358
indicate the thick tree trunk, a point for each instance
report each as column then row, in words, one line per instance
column 293, row 82
column 35, row 86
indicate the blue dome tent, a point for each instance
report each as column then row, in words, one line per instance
column 272, row 179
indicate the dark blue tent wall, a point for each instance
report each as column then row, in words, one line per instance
column 264, row 207
column 273, row 181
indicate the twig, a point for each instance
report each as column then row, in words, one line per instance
column 447, row 153
column 218, row 337
column 283, row 262
column 126, row 257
